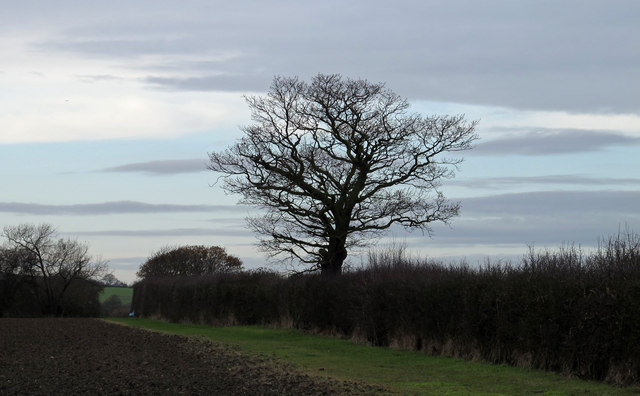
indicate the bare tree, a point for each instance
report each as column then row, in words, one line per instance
column 54, row 263
column 188, row 261
column 336, row 162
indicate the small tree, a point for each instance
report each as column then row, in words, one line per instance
column 189, row 260
column 52, row 264
column 111, row 281
column 336, row 162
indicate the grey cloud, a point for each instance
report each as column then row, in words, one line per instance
column 176, row 232
column 163, row 167
column 126, row 263
column 230, row 221
column 544, row 218
column 125, row 47
column 554, row 203
column 120, row 207
column 222, row 63
column 90, row 78
column 541, row 218
column 564, row 180
column 567, row 55
column 541, row 231
column 553, row 141
column 211, row 83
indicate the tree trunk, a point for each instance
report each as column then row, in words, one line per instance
column 332, row 260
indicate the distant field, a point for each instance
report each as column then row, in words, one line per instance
column 125, row 294
column 401, row 372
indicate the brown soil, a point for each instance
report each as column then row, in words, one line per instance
column 89, row 356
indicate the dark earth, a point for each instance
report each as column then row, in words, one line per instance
column 90, row 356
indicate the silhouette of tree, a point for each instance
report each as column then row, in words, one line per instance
column 112, row 281
column 188, row 261
column 52, row 264
column 335, row 162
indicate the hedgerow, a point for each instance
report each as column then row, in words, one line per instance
column 563, row 310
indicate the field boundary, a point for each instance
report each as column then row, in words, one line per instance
column 400, row 371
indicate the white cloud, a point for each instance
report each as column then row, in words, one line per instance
column 79, row 115
column 48, row 96
column 625, row 122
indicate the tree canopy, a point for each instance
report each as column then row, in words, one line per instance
column 188, row 261
column 335, row 162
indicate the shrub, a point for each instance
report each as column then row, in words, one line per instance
column 111, row 304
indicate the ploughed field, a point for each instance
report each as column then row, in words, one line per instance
column 90, row 356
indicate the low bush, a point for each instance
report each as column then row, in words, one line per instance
column 80, row 298
column 110, row 305
column 229, row 298
column 563, row 310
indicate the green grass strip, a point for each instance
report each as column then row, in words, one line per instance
column 402, row 372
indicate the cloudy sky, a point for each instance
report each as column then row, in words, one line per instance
column 108, row 111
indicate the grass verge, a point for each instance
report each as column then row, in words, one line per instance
column 402, row 372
